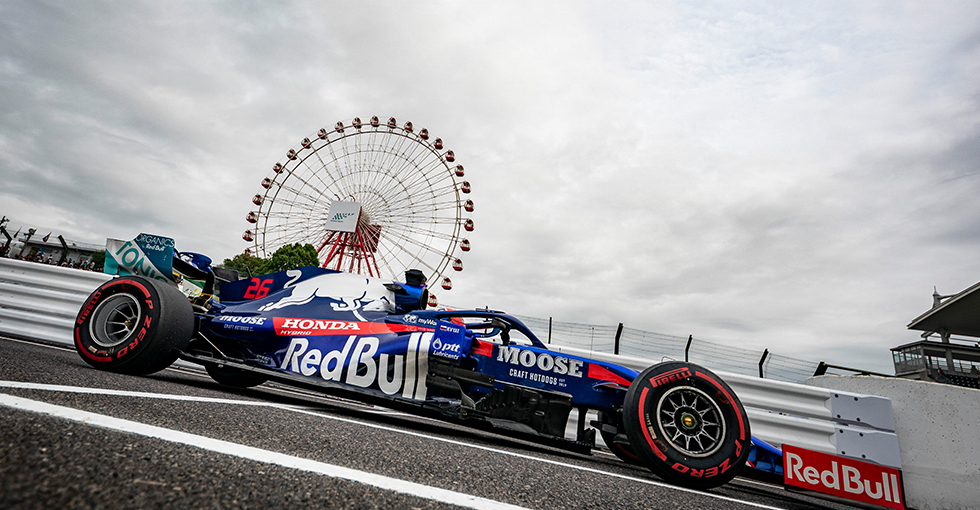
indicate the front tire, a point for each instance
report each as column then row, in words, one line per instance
column 133, row 325
column 686, row 425
column 623, row 451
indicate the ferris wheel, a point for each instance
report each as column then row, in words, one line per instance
column 373, row 198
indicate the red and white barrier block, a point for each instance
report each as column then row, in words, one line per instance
column 843, row 477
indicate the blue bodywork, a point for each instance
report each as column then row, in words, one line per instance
column 765, row 457
column 350, row 332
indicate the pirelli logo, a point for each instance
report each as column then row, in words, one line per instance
column 673, row 375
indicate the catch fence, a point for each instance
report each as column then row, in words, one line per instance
column 646, row 344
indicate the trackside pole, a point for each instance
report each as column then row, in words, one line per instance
column 765, row 354
column 619, row 334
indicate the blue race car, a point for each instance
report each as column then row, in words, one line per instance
column 374, row 340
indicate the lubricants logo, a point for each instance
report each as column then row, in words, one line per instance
column 355, row 364
column 843, row 477
column 446, row 350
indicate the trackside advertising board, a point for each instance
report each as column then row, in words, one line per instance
column 343, row 216
column 842, row 477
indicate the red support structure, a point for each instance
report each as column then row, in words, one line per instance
column 335, row 238
column 360, row 246
column 366, row 254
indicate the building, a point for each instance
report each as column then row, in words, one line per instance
column 58, row 248
column 949, row 360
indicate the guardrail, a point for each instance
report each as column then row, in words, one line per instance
column 40, row 301
column 829, row 421
column 939, row 446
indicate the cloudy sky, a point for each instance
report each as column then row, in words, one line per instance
column 794, row 177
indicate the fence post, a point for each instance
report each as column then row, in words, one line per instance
column 821, row 369
column 619, row 334
column 690, row 338
column 549, row 329
column 765, row 354
column 6, row 244
column 64, row 254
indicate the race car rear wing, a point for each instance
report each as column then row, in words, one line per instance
column 156, row 257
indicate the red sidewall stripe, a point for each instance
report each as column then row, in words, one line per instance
column 78, row 339
column 646, row 431
column 741, row 426
column 83, row 350
column 134, row 283
column 626, row 452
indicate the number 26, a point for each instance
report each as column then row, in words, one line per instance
column 258, row 289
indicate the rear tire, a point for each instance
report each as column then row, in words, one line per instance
column 133, row 325
column 686, row 425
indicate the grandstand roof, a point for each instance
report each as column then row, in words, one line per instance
column 959, row 314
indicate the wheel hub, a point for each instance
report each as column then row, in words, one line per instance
column 688, row 421
column 114, row 320
column 691, row 421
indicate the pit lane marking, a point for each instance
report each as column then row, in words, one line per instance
column 256, row 454
column 307, row 411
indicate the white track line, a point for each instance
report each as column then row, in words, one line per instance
column 124, row 393
column 256, row 454
column 307, row 411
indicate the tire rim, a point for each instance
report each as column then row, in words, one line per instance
column 691, row 420
column 115, row 320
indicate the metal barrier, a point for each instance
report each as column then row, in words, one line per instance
column 40, row 301
column 820, row 419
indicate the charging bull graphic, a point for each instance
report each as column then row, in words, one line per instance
column 354, row 293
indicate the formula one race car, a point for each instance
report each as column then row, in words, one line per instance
column 374, row 341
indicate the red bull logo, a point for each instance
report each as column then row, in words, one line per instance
column 347, row 292
column 843, row 477
column 358, row 364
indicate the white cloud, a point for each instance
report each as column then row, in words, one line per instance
column 791, row 177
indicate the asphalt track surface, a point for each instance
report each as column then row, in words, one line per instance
column 75, row 437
